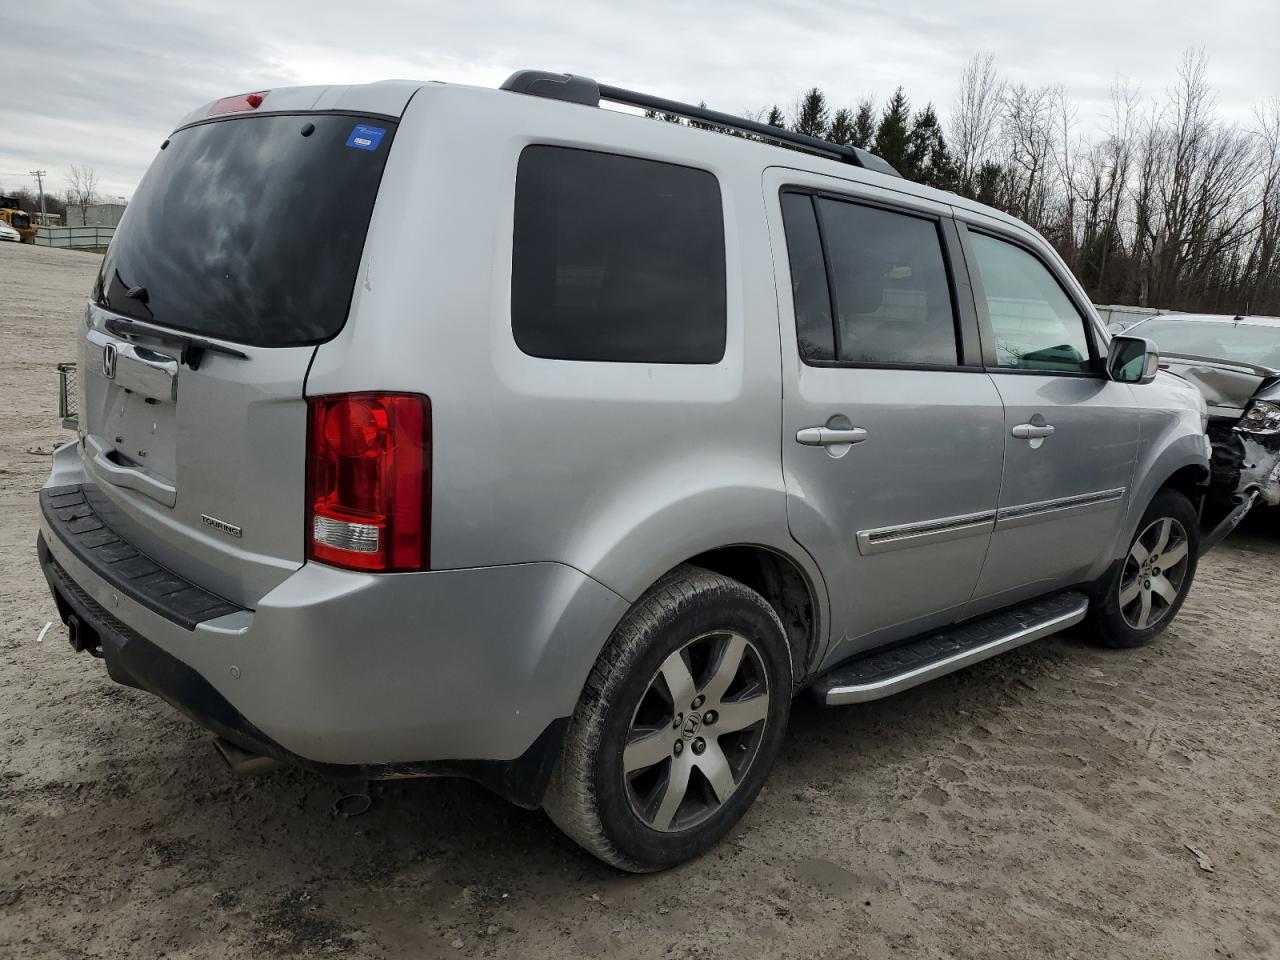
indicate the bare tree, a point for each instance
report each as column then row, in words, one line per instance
column 1118, row 151
column 1205, row 210
column 1262, row 269
column 1029, row 138
column 82, row 189
column 975, row 117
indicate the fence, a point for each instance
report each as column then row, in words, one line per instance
column 74, row 237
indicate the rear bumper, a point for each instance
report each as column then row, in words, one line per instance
column 467, row 672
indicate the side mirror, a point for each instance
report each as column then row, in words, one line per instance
column 1132, row 360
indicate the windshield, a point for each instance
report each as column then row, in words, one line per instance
column 250, row 229
column 1242, row 342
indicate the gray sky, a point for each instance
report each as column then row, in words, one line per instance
column 101, row 82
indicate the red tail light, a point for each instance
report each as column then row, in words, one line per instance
column 369, row 481
column 238, row 103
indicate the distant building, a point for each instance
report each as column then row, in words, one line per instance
column 95, row 215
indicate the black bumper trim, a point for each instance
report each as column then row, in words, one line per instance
column 135, row 661
column 87, row 534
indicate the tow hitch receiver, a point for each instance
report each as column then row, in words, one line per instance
column 83, row 638
column 1228, row 523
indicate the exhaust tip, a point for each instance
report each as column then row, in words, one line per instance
column 242, row 762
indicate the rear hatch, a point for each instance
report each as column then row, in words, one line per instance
column 237, row 255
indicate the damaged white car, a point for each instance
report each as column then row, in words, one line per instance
column 1235, row 361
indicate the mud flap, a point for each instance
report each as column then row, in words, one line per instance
column 1232, row 520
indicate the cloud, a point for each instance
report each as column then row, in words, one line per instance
column 101, row 83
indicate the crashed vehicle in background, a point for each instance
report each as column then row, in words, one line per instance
column 1235, row 361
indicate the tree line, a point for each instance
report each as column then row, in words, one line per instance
column 1165, row 204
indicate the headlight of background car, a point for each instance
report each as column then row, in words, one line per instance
column 1263, row 416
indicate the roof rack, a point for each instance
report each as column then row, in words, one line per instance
column 585, row 91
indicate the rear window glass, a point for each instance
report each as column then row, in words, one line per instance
column 616, row 259
column 250, row 229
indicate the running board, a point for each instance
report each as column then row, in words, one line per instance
column 883, row 673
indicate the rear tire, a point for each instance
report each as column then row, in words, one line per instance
column 681, row 719
column 1143, row 592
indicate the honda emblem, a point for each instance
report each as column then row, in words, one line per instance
column 109, row 361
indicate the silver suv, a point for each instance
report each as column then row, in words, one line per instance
column 434, row 430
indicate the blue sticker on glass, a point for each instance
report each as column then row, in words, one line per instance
column 365, row 137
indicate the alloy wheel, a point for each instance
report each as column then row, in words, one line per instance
column 696, row 731
column 1154, row 573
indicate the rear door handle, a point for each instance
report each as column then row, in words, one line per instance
column 1032, row 431
column 829, row 436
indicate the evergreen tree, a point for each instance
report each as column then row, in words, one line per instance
column 776, row 117
column 928, row 160
column 987, row 184
column 893, row 135
column 841, row 129
column 813, row 118
column 864, row 125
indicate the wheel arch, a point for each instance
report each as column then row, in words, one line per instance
column 1182, row 465
column 1191, row 480
column 789, row 589
column 737, row 529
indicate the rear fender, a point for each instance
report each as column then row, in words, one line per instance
column 630, row 547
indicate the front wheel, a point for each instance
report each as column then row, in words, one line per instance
column 682, row 716
column 1142, row 595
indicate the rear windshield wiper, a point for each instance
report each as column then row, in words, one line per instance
column 193, row 348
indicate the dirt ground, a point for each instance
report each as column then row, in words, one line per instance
column 1037, row 805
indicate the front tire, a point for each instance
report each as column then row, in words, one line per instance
column 1145, row 590
column 682, row 716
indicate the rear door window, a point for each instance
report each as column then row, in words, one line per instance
column 891, row 291
column 809, row 294
column 250, row 229
column 617, row 259
column 1036, row 325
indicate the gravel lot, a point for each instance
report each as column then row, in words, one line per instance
column 1038, row 805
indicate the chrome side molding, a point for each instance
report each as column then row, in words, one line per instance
column 1053, row 509
column 902, row 536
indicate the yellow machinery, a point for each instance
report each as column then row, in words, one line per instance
column 18, row 219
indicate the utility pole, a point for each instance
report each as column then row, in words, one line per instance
column 40, row 175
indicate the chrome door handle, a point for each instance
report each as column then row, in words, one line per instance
column 1032, row 431
column 829, row 436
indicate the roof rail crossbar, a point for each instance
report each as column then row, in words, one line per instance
column 584, row 90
